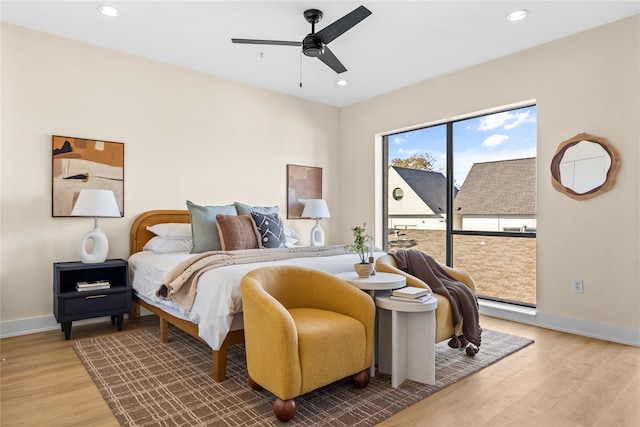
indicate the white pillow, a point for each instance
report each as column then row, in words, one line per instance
column 161, row 245
column 291, row 236
column 171, row 230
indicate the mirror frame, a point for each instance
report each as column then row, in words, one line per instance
column 611, row 173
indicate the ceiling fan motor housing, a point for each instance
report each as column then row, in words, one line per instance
column 311, row 46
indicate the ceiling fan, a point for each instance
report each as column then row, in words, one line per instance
column 315, row 44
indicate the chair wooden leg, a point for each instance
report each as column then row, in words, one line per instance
column 284, row 410
column 254, row 385
column 361, row 379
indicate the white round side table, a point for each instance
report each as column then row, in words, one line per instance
column 372, row 284
column 406, row 338
column 377, row 282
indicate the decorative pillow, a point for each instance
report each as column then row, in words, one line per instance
column 204, row 228
column 270, row 229
column 244, row 209
column 237, row 232
column 162, row 245
column 171, row 230
column 291, row 236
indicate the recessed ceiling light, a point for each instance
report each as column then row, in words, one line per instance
column 517, row 15
column 108, row 11
column 342, row 82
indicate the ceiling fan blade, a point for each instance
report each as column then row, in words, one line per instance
column 330, row 59
column 270, row 42
column 339, row 27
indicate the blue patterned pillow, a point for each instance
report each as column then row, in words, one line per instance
column 270, row 229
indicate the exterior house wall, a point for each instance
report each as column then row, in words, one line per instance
column 410, row 204
column 417, row 222
column 497, row 222
column 411, row 211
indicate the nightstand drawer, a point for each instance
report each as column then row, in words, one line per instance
column 97, row 302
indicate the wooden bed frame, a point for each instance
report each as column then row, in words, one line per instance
column 139, row 236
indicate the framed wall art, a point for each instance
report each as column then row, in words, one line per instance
column 79, row 164
column 303, row 182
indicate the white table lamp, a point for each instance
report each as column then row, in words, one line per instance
column 316, row 209
column 95, row 203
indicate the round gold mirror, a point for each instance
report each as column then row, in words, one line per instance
column 584, row 166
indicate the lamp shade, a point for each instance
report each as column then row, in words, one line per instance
column 96, row 203
column 316, row 208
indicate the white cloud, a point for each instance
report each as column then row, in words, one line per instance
column 399, row 140
column 505, row 119
column 520, row 118
column 493, row 121
column 495, row 140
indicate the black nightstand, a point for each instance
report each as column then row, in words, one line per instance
column 70, row 304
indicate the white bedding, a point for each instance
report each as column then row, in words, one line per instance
column 218, row 297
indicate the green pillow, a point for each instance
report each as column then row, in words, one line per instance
column 204, row 228
column 244, row 209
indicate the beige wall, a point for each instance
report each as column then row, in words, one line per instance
column 589, row 82
column 187, row 136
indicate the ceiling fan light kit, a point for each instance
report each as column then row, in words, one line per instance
column 315, row 44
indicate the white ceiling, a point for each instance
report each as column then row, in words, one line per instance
column 400, row 44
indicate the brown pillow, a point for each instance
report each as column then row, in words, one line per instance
column 237, row 232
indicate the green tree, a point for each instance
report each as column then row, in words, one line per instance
column 425, row 162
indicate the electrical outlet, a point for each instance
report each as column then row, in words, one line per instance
column 577, row 287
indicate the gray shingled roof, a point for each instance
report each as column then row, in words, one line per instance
column 506, row 187
column 429, row 186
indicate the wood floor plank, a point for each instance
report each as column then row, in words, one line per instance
column 560, row 380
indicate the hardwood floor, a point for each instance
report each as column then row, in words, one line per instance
column 561, row 380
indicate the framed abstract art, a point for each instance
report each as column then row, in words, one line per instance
column 303, row 182
column 79, row 164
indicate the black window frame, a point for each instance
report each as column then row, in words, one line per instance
column 450, row 231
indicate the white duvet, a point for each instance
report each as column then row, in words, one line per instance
column 218, row 297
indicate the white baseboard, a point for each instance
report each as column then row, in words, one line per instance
column 12, row 328
column 587, row 328
column 30, row 325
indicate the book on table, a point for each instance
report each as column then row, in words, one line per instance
column 92, row 286
column 419, row 300
column 410, row 292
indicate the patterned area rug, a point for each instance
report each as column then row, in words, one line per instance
column 147, row 383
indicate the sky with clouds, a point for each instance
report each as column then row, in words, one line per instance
column 500, row 136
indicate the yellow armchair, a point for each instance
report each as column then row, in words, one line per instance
column 444, row 319
column 304, row 329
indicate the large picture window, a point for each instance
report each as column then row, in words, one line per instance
column 465, row 192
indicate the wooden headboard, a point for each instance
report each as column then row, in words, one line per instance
column 139, row 233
